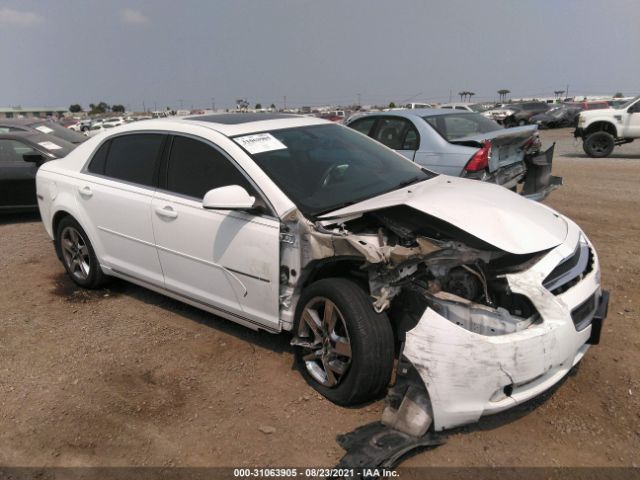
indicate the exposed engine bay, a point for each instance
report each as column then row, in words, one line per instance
column 410, row 262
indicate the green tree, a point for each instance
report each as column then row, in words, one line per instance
column 503, row 92
column 75, row 108
column 618, row 95
column 117, row 108
column 258, row 106
column 392, row 105
column 273, row 106
column 99, row 108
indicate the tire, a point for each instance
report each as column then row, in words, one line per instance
column 354, row 379
column 598, row 144
column 77, row 254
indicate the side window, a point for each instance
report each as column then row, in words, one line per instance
column 394, row 133
column 363, row 125
column 133, row 158
column 195, row 168
column 13, row 150
column 99, row 159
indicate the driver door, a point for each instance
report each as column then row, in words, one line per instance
column 225, row 259
column 632, row 124
column 17, row 177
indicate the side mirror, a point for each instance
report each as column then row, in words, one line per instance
column 33, row 158
column 231, row 197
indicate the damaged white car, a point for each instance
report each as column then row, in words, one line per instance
column 280, row 222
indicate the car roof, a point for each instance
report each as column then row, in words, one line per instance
column 232, row 124
column 415, row 113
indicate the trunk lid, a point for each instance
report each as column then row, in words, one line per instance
column 506, row 144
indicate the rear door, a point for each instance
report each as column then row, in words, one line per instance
column 116, row 193
column 223, row 258
column 397, row 133
column 17, row 177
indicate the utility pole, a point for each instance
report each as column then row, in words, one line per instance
column 213, row 103
column 285, row 103
column 144, row 109
column 567, row 91
column 180, row 104
column 450, row 93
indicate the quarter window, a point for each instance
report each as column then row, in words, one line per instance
column 133, row 158
column 195, row 168
column 99, row 159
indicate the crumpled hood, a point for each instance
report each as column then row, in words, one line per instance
column 489, row 212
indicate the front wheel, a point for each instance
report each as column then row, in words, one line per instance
column 345, row 349
column 78, row 256
column 598, row 144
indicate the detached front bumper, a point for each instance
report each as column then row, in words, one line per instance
column 467, row 375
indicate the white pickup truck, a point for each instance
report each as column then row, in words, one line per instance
column 601, row 130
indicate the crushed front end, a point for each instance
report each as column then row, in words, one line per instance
column 464, row 358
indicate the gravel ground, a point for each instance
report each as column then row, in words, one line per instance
column 123, row 376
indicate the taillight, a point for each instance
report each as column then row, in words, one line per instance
column 480, row 159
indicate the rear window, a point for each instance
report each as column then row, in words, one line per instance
column 456, row 126
column 133, row 158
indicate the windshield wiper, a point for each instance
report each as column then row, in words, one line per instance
column 411, row 181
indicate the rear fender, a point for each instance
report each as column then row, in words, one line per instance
column 538, row 182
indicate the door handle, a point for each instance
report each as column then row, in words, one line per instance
column 85, row 191
column 167, row 211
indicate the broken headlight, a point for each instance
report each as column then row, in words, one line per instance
column 478, row 318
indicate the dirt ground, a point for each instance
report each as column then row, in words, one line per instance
column 124, row 376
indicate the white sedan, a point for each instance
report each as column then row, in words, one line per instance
column 282, row 222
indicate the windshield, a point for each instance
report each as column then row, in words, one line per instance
column 58, row 130
column 325, row 167
column 627, row 104
column 454, row 126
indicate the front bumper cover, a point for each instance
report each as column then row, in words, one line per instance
column 466, row 375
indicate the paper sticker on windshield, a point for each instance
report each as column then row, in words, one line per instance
column 50, row 145
column 260, row 143
column 44, row 129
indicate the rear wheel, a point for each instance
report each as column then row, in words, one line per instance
column 598, row 144
column 346, row 349
column 78, row 256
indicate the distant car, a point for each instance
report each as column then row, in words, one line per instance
column 524, row 112
column 114, row 122
column 42, row 126
column 96, row 128
column 501, row 111
column 557, row 117
column 457, row 106
column 21, row 153
column 589, row 105
column 464, row 144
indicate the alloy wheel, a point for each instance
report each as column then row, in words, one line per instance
column 75, row 253
column 327, row 349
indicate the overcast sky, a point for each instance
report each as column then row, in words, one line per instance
column 163, row 52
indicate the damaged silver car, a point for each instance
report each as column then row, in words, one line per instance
column 476, row 297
